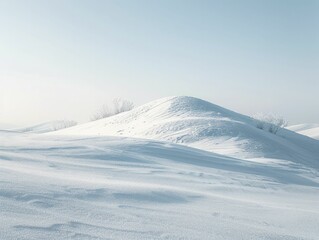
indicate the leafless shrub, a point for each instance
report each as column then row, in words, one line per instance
column 117, row 106
column 63, row 124
column 269, row 122
column 121, row 105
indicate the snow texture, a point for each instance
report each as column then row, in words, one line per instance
column 200, row 124
column 79, row 183
column 48, row 126
column 310, row 130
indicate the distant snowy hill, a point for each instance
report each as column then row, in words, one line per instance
column 310, row 130
column 48, row 126
column 200, row 124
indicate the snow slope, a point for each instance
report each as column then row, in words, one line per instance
column 197, row 123
column 47, row 127
column 78, row 183
column 62, row 187
column 310, row 130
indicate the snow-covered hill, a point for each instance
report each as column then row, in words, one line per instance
column 48, row 126
column 310, row 130
column 56, row 187
column 78, row 183
column 197, row 123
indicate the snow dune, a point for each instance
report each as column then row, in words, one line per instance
column 125, row 188
column 125, row 177
column 47, row 127
column 197, row 123
column 310, row 130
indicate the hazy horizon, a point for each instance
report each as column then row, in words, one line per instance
column 64, row 59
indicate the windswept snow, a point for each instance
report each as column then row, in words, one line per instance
column 122, row 188
column 137, row 183
column 197, row 123
column 310, row 130
column 48, row 126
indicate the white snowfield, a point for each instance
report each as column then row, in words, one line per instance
column 47, row 127
column 194, row 122
column 79, row 183
column 310, row 130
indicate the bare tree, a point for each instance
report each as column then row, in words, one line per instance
column 117, row 106
column 269, row 122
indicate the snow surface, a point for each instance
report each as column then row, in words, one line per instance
column 81, row 184
column 197, row 123
column 122, row 188
column 47, row 127
column 310, row 130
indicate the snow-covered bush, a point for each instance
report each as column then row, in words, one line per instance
column 269, row 122
column 121, row 105
column 117, row 106
column 63, row 124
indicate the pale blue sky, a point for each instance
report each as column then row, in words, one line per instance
column 63, row 59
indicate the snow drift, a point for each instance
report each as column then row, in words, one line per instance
column 91, row 186
column 56, row 187
column 200, row 124
column 310, row 130
column 48, row 126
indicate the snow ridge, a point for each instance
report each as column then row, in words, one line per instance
column 310, row 130
column 197, row 123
